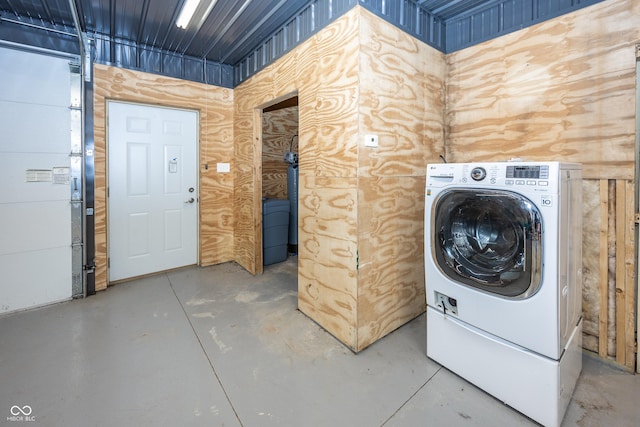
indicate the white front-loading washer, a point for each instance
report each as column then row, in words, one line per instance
column 503, row 264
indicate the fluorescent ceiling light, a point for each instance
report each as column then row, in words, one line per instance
column 188, row 9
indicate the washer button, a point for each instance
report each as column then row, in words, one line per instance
column 508, row 182
column 531, row 183
column 519, row 181
column 543, row 183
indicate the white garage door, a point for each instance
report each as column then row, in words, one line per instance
column 35, row 208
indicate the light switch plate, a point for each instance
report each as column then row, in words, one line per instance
column 223, row 167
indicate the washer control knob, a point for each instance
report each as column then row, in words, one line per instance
column 478, row 174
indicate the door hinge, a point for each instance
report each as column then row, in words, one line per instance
column 637, row 218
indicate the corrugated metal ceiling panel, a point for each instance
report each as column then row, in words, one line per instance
column 143, row 33
column 493, row 18
column 46, row 12
column 447, row 9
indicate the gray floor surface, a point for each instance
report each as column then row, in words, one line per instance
column 217, row 346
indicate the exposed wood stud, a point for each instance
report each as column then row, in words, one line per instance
column 629, row 307
column 604, row 269
column 621, row 287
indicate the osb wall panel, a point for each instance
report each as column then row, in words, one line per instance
column 401, row 101
column 279, row 130
column 215, row 107
column 323, row 72
column 517, row 97
column 560, row 90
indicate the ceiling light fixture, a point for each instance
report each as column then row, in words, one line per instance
column 188, row 9
column 206, row 13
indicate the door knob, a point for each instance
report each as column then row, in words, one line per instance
column 191, row 200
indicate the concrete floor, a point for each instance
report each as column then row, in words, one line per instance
column 218, row 347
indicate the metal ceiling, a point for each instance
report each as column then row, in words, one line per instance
column 220, row 47
column 447, row 9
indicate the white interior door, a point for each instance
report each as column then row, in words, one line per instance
column 153, row 189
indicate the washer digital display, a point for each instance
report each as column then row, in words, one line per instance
column 528, row 172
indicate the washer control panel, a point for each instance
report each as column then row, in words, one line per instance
column 534, row 176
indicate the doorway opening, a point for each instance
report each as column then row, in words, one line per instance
column 279, row 178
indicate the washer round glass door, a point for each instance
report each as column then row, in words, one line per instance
column 489, row 240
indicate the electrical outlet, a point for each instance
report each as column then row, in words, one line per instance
column 371, row 140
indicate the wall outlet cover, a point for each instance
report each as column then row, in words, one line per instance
column 371, row 140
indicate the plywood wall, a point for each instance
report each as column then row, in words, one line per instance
column 560, row 90
column 401, row 101
column 360, row 259
column 565, row 90
column 323, row 73
column 215, row 107
column 279, row 135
